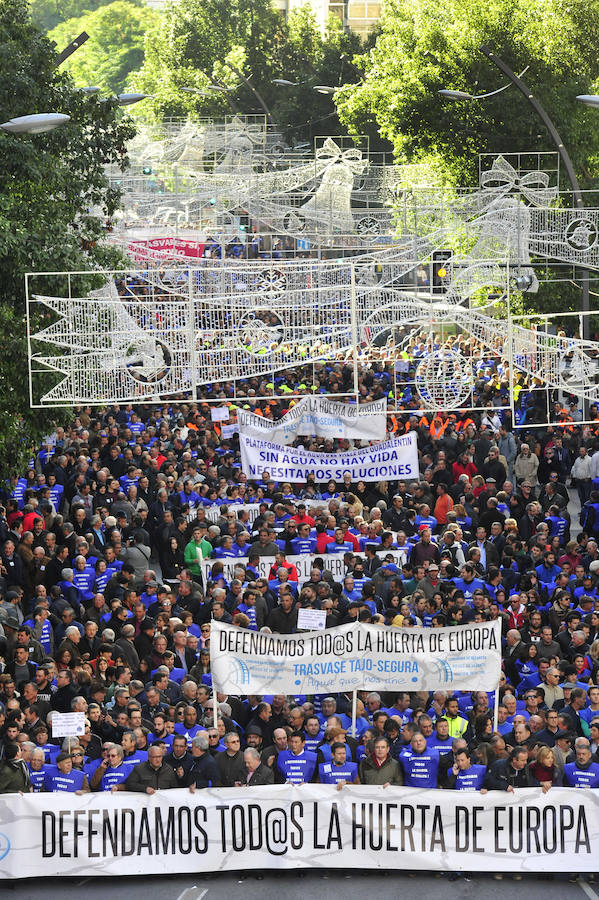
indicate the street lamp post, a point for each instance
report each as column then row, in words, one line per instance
column 35, row 124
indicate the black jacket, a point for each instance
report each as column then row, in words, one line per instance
column 501, row 775
column 204, row 772
column 262, row 775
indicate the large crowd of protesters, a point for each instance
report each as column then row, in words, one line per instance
column 106, row 608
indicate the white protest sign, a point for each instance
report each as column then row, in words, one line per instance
column 396, row 458
column 356, row 657
column 68, row 724
column 219, row 413
column 311, row 619
column 227, row 431
column 320, row 417
column 287, row 826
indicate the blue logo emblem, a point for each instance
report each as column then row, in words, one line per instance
column 4, row 845
column 444, row 670
column 242, row 671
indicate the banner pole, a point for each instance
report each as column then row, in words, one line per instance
column 354, row 710
column 496, row 709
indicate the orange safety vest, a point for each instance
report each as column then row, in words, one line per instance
column 438, row 431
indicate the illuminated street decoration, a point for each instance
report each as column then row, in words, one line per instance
column 192, row 324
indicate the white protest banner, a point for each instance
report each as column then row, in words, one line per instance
column 229, row 563
column 311, row 619
column 219, row 413
column 288, row 826
column 333, row 563
column 356, row 657
column 396, row 458
column 320, row 417
column 213, row 512
column 68, row 724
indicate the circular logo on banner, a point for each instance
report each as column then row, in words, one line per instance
column 4, row 845
column 581, row 235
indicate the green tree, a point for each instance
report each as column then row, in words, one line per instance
column 424, row 45
column 45, row 14
column 200, row 41
column 115, row 47
column 51, row 184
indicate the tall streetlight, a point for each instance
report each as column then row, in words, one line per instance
column 559, row 144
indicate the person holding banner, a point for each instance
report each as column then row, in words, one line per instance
column 465, row 775
column 380, row 767
column 420, row 763
column 297, row 765
column 339, row 770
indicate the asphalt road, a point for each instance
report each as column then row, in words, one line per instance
column 324, row 885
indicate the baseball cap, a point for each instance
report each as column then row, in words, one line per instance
column 564, row 734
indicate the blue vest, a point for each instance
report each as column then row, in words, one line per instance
column 37, row 779
column 56, row 780
column 420, row 768
column 114, row 776
column 440, row 746
column 574, row 776
column 188, row 733
column 471, row 780
column 137, row 757
column 303, row 546
column 311, row 743
column 296, row 769
column 329, row 773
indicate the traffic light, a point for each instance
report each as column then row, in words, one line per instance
column 147, row 170
column 442, row 270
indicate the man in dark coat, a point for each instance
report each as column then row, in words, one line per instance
column 257, row 772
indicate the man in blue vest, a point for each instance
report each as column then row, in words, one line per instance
column 64, row 778
column 338, row 771
column 111, row 774
column 37, row 769
column 583, row 773
column 440, row 739
column 420, row 764
column 464, row 775
column 296, row 765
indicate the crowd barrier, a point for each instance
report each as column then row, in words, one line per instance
column 303, row 826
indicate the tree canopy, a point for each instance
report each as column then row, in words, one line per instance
column 45, row 14
column 424, row 46
column 199, row 42
column 115, row 47
column 54, row 201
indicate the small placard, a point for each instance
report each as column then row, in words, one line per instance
column 219, row 413
column 311, row 619
column 68, row 724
